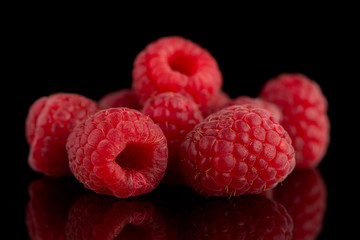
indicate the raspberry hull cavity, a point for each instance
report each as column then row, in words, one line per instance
column 237, row 150
column 119, row 152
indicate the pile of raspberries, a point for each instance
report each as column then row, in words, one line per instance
column 177, row 126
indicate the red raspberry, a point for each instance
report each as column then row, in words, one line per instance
column 304, row 196
column 176, row 115
column 216, row 103
column 175, row 64
column 304, row 110
column 260, row 103
column 48, row 124
column 248, row 217
column 121, row 98
column 119, row 152
column 237, row 150
column 94, row 217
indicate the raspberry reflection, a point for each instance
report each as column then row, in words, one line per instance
column 304, row 195
column 99, row 217
column 246, row 217
column 46, row 211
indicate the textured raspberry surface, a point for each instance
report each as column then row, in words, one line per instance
column 304, row 195
column 46, row 211
column 121, row 98
column 247, row 218
column 304, row 109
column 119, row 152
column 175, row 64
column 48, row 124
column 94, row 217
column 260, row 103
column 176, row 115
column 217, row 102
column 235, row 151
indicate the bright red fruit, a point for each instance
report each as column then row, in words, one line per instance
column 304, row 109
column 176, row 115
column 48, row 124
column 175, row 64
column 119, row 152
column 237, row 150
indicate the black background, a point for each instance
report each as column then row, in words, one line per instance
column 49, row 54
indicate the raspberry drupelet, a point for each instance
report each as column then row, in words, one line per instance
column 175, row 64
column 118, row 152
column 48, row 124
column 237, row 150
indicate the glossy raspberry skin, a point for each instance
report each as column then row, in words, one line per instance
column 48, row 124
column 304, row 194
column 176, row 115
column 175, row 64
column 120, row 98
column 235, row 151
column 119, row 152
column 260, row 103
column 95, row 217
column 248, row 217
column 304, row 109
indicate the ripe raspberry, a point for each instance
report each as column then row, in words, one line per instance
column 121, row 98
column 260, row 103
column 176, row 115
column 248, row 217
column 304, row 108
column 237, row 150
column 48, row 124
column 216, row 103
column 304, row 196
column 101, row 218
column 175, row 64
column 119, row 152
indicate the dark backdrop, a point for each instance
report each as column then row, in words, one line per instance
column 93, row 59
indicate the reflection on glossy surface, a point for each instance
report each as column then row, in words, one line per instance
column 100, row 217
column 304, row 195
column 46, row 211
column 247, row 217
column 62, row 209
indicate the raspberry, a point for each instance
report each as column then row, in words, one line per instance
column 216, row 103
column 48, row 124
column 237, row 150
column 121, row 98
column 304, row 108
column 175, row 64
column 119, row 152
column 304, row 196
column 248, row 217
column 99, row 217
column 260, row 103
column 176, row 116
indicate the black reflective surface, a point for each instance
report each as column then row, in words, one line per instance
column 59, row 208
